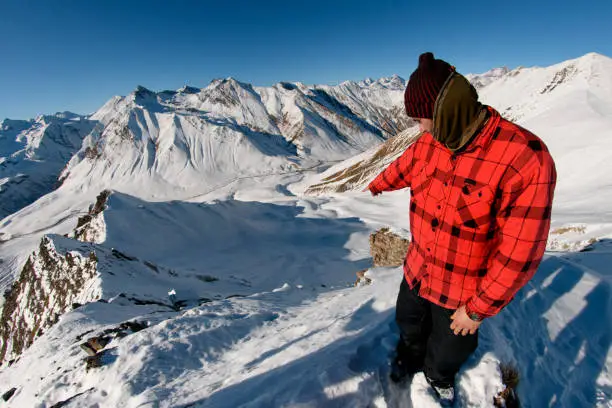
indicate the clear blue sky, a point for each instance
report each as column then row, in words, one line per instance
column 75, row 55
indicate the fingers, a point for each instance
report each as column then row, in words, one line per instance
column 458, row 329
column 461, row 331
column 453, row 316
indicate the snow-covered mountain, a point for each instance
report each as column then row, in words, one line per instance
column 481, row 80
column 194, row 139
column 33, row 154
column 208, row 277
column 192, row 142
column 199, row 139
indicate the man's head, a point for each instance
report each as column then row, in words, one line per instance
column 425, row 125
column 423, row 88
column 444, row 103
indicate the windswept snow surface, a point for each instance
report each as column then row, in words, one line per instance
column 302, row 336
column 265, row 273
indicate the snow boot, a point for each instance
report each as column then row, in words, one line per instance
column 401, row 371
column 446, row 396
column 444, row 393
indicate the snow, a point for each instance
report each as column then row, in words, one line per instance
column 265, row 273
column 288, row 343
column 32, row 155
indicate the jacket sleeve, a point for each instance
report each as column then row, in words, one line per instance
column 397, row 175
column 523, row 221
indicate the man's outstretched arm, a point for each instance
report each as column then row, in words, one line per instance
column 396, row 176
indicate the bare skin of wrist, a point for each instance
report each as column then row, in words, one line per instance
column 462, row 324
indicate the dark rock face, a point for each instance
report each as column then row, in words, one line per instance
column 86, row 229
column 48, row 286
column 7, row 395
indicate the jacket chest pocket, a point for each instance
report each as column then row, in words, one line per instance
column 474, row 206
column 421, row 183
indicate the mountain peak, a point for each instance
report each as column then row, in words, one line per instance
column 394, row 81
column 225, row 81
column 595, row 56
column 481, row 80
column 188, row 90
column 141, row 91
column 67, row 115
column 288, row 86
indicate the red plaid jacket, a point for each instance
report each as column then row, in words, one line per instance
column 479, row 219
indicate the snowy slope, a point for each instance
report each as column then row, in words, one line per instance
column 32, row 155
column 191, row 142
column 303, row 343
column 266, row 313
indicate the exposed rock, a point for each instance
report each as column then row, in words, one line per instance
column 134, row 326
column 91, row 227
column 362, row 279
column 388, row 248
column 99, row 342
column 94, row 361
column 47, row 287
column 72, row 400
column 207, row 278
column 7, row 395
column 142, row 302
column 508, row 398
column 95, row 344
column 88, row 349
column 560, row 77
column 120, row 255
column 151, row 266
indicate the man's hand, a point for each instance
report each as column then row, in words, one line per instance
column 462, row 324
column 367, row 189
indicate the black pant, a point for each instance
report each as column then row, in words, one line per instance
column 426, row 339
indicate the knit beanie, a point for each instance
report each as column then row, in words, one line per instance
column 424, row 86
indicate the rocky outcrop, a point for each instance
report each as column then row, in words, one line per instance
column 7, row 395
column 49, row 284
column 388, row 248
column 508, row 398
column 91, row 227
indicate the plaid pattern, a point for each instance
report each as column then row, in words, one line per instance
column 479, row 219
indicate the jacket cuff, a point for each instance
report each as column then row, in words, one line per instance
column 470, row 311
column 373, row 189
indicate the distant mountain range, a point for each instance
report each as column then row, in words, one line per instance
column 196, row 137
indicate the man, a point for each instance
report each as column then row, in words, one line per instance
column 481, row 196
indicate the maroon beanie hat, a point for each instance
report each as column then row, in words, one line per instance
column 424, row 86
